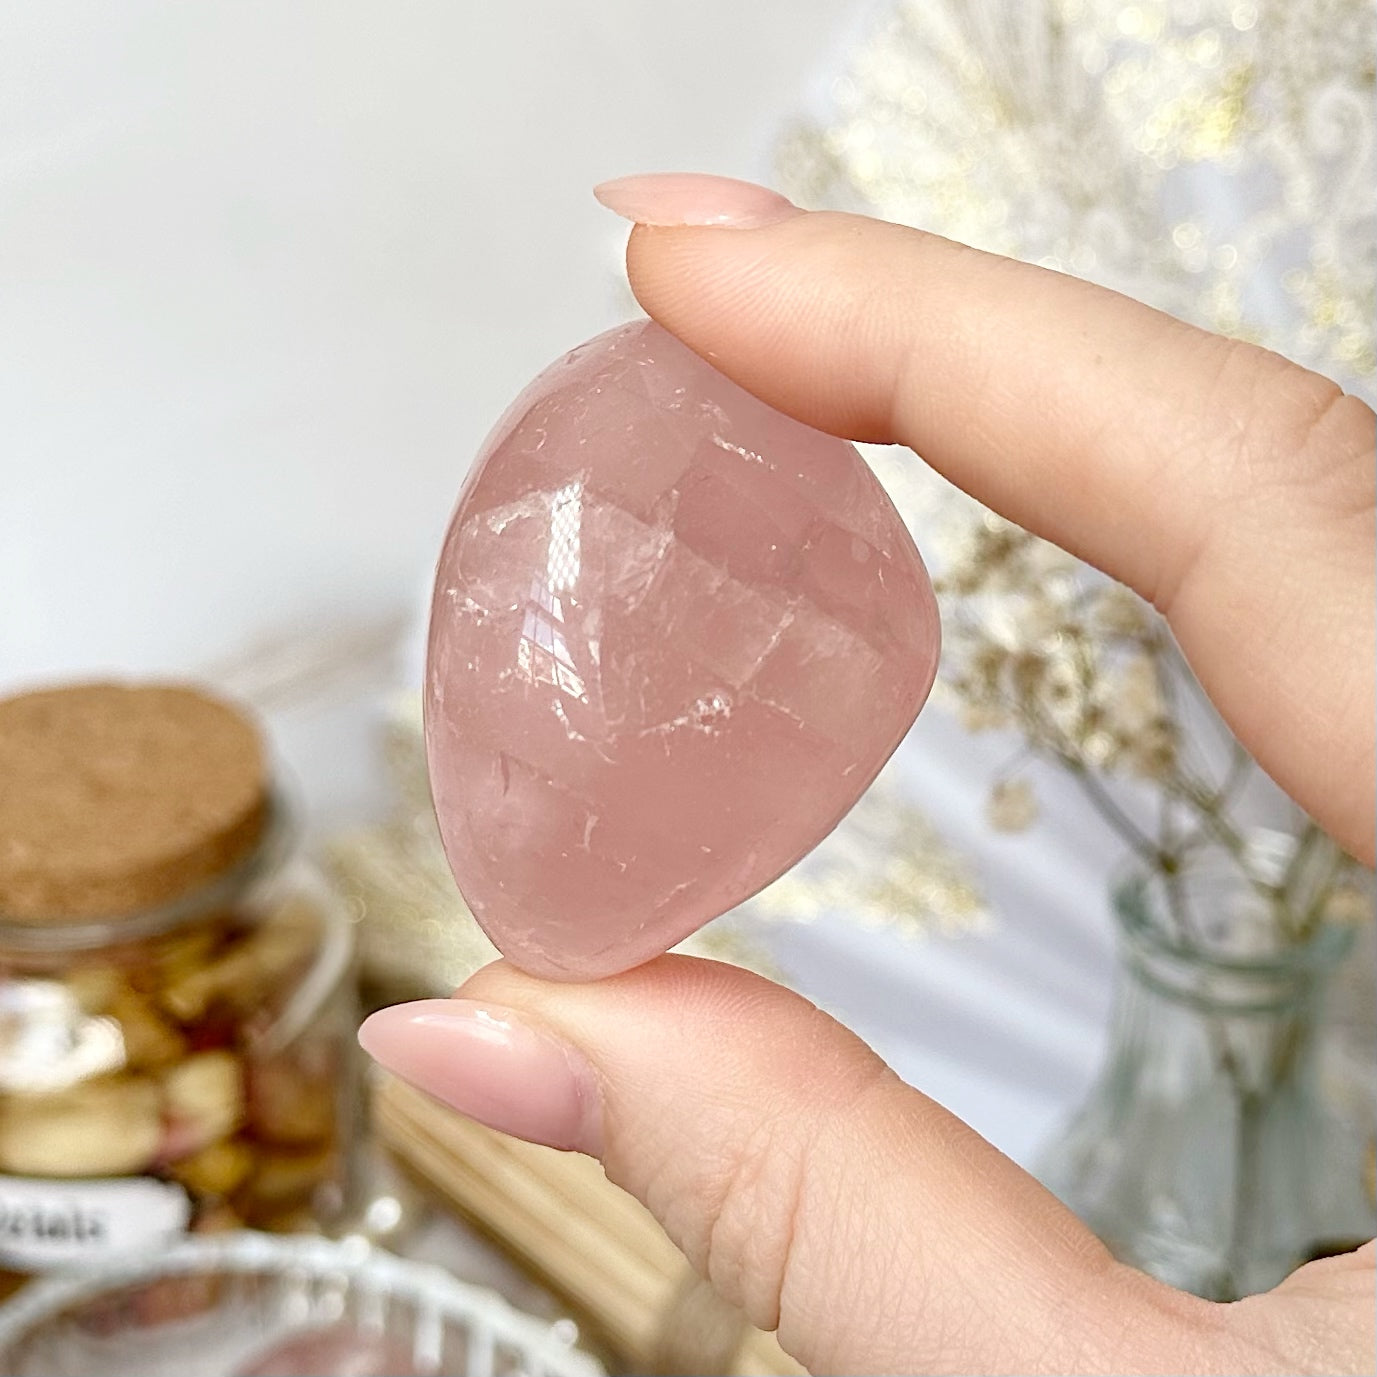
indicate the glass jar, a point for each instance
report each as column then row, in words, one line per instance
column 184, row 1066
column 1217, row 1151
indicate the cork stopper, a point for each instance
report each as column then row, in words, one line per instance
column 117, row 798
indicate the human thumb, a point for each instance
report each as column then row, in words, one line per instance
column 809, row 1184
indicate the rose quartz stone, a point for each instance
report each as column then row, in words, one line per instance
column 675, row 634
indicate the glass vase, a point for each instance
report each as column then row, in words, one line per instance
column 1217, row 1151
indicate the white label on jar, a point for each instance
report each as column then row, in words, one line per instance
column 50, row 1223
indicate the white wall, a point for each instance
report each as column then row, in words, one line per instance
column 269, row 271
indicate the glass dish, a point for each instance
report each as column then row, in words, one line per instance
column 255, row 1305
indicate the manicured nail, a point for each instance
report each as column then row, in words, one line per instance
column 482, row 1060
column 694, row 198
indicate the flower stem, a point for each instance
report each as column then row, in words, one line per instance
column 1112, row 813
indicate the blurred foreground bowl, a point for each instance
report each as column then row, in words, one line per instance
column 256, row 1305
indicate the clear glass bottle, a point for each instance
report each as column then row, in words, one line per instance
column 1215, row 1151
column 179, row 1068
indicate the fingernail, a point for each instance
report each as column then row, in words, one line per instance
column 484, row 1061
column 694, row 198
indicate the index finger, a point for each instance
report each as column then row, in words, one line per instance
column 1228, row 486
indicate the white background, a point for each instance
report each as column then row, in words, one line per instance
column 268, row 272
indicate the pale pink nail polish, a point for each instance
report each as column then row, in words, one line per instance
column 694, row 198
column 482, row 1060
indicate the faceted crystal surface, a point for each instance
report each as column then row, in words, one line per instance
column 675, row 634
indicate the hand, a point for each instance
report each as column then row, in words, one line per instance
column 1228, row 486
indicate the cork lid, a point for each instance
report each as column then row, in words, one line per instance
column 116, row 798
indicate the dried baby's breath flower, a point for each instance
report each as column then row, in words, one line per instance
column 1012, row 806
column 886, row 866
column 1349, row 903
column 984, row 716
column 1135, row 693
column 1089, row 675
column 1116, row 611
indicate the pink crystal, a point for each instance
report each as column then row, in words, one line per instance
column 675, row 635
